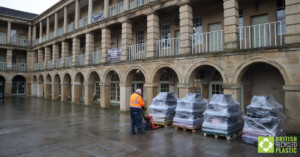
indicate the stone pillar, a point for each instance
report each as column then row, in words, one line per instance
column 126, row 5
column 104, row 95
column 186, row 28
column 65, row 19
column 8, row 32
column 292, row 16
column 8, row 89
column 29, row 39
column 152, row 34
column 40, row 56
column 55, row 53
column 77, row 10
column 151, row 91
column 90, row 11
column 89, row 94
column 75, row 49
column 89, row 47
column 183, row 90
column 125, row 91
column 106, row 41
column 40, row 88
column 48, row 28
column 292, row 101
column 55, row 90
column 41, row 31
column 47, row 90
column 30, row 59
column 64, row 92
column 33, row 89
column 33, row 35
column 65, row 52
column 106, row 8
column 47, row 54
column 76, row 92
column 126, row 39
column 28, row 89
column 231, row 24
column 55, row 24
column 9, row 59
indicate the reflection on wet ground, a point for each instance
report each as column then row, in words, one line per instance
column 40, row 127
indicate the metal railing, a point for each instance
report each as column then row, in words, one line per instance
column 95, row 57
column 262, row 35
column 137, row 51
column 137, row 3
column 19, row 42
column 82, row 22
column 167, row 47
column 41, row 66
column 60, row 31
column 3, row 66
column 71, row 27
column 207, row 42
column 68, row 61
column 116, row 9
column 58, row 63
column 3, row 39
column 49, row 64
column 19, row 67
column 36, row 66
column 80, row 60
column 43, row 39
column 37, row 41
column 51, row 35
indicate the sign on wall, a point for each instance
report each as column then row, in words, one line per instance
column 97, row 17
column 114, row 55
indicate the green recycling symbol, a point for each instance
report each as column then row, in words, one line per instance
column 265, row 144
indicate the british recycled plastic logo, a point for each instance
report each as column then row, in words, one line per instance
column 265, row 144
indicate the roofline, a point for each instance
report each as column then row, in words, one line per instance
column 49, row 9
column 19, row 18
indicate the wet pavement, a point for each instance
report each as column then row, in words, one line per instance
column 40, row 127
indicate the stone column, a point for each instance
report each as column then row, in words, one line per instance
column 40, row 88
column 29, row 58
column 48, row 28
column 106, row 41
column 89, row 94
column 41, row 31
column 8, row 89
column 33, row 88
column 64, row 92
column 231, row 24
column 90, row 11
column 65, row 52
column 28, row 89
column 125, row 91
column 75, row 49
column 65, row 19
column 126, row 5
column 151, row 91
column 54, row 90
column 55, row 54
column 33, row 35
column 9, row 59
column 8, row 32
column 186, row 27
column 106, row 8
column 40, row 56
column 76, row 90
column 104, row 95
column 29, row 39
column 292, row 101
column 77, row 9
column 55, row 24
column 89, row 47
column 126, row 39
column 152, row 34
column 47, row 54
column 183, row 90
column 292, row 16
column 47, row 90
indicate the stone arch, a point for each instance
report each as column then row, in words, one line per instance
column 108, row 74
column 66, row 90
column 2, row 86
column 66, row 78
column 154, row 73
column 92, row 73
column 205, row 63
column 56, row 85
column 112, row 81
column 48, row 87
column 128, row 77
column 48, row 78
column 12, row 77
column 242, row 68
column 135, row 78
column 18, row 85
column 77, row 77
column 34, row 78
column 78, row 88
column 93, row 87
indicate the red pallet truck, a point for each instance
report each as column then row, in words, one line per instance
column 149, row 124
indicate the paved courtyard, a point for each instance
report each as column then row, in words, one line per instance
column 38, row 127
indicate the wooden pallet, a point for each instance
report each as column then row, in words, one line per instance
column 217, row 135
column 185, row 128
column 163, row 124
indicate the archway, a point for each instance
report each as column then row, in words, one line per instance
column 167, row 80
column 112, row 97
column 34, row 86
column 2, row 87
column 48, row 88
column 79, row 91
column 93, row 96
column 56, row 87
column 40, row 86
column 66, row 94
column 206, row 80
column 137, row 80
column 18, row 85
column 261, row 79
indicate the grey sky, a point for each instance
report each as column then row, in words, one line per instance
column 32, row 6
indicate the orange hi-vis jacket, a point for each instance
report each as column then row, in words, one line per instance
column 136, row 101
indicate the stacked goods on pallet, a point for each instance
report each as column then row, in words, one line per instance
column 189, row 111
column 264, row 117
column 163, row 107
column 222, row 116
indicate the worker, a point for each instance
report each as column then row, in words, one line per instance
column 136, row 105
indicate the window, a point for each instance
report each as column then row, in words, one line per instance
column 165, row 36
column 119, row 42
column 241, row 24
column 137, row 83
column 260, row 31
column 197, row 30
column 97, row 91
column 140, row 37
column 281, row 17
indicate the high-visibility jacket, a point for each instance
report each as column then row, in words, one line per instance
column 136, row 101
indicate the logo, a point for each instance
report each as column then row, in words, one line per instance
column 265, row 144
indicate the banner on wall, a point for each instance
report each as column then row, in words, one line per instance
column 114, row 55
column 97, row 17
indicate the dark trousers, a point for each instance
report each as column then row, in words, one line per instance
column 136, row 120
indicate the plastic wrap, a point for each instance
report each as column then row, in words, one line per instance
column 189, row 111
column 163, row 107
column 222, row 115
column 264, row 117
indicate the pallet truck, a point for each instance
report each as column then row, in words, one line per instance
column 149, row 124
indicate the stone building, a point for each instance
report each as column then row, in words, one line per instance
column 97, row 52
